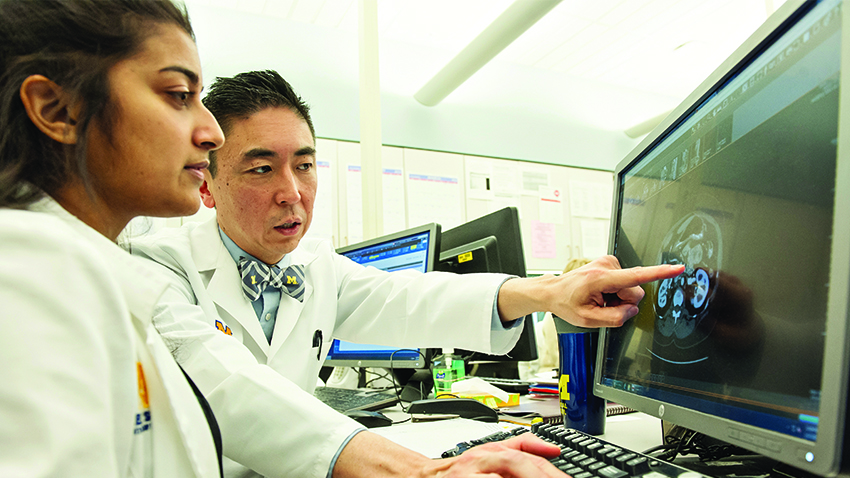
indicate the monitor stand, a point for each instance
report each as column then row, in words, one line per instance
column 417, row 385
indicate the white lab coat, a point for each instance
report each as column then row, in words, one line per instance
column 269, row 420
column 75, row 310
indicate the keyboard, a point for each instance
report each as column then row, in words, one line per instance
column 585, row 456
column 344, row 399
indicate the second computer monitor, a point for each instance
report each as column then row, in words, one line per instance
column 491, row 243
column 414, row 248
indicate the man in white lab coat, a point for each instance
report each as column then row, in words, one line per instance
column 254, row 352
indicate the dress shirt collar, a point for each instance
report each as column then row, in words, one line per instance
column 236, row 252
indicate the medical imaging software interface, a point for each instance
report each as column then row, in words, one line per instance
column 741, row 193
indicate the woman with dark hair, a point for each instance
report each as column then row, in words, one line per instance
column 100, row 122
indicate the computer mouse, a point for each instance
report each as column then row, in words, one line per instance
column 369, row 419
column 463, row 407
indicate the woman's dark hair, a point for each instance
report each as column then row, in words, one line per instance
column 237, row 98
column 74, row 43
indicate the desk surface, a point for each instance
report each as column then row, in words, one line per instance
column 635, row 431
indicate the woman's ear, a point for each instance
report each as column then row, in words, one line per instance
column 49, row 108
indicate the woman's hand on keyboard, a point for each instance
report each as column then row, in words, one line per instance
column 522, row 456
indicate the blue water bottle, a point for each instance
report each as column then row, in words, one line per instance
column 580, row 408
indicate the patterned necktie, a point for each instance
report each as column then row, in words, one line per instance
column 256, row 276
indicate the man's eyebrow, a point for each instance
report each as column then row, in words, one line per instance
column 306, row 151
column 258, row 153
column 191, row 75
column 255, row 153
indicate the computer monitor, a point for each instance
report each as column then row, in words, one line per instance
column 491, row 243
column 747, row 184
column 416, row 249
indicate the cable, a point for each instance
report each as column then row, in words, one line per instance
column 446, row 394
column 396, row 387
column 694, row 443
column 654, row 449
column 378, row 377
column 403, row 421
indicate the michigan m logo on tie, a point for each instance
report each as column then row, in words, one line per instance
column 291, row 280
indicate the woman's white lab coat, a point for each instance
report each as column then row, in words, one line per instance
column 88, row 387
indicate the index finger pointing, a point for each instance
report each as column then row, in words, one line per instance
column 624, row 278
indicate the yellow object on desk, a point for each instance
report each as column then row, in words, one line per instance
column 489, row 400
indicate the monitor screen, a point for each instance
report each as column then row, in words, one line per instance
column 491, row 243
column 739, row 184
column 415, row 249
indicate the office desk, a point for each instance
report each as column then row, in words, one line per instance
column 635, row 431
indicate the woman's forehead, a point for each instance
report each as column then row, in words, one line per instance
column 167, row 49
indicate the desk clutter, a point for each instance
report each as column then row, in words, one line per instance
column 547, row 409
column 585, row 456
column 500, row 394
column 484, row 391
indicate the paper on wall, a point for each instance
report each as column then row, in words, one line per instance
column 392, row 185
column 551, row 205
column 503, row 200
column 434, row 199
column 505, row 178
column 594, row 238
column 532, row 180
column 543, row 244
column 479, row 175
column 590, row 199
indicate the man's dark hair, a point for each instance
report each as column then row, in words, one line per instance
column 237, row 98
column 74, row 43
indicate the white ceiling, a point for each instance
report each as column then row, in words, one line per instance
column 663, row 47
